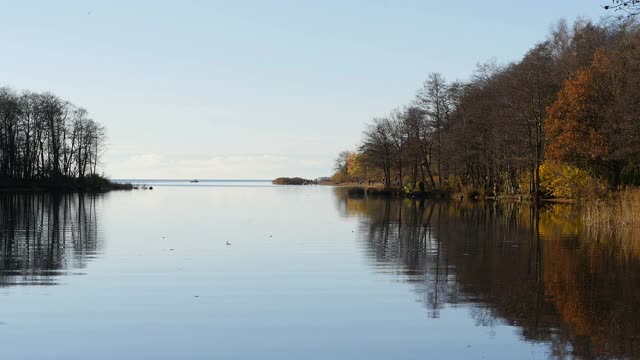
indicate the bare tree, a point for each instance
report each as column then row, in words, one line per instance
column 45, row 138
column 342, row 163
column 434, row 99
column 377, row 146
column 626, row 7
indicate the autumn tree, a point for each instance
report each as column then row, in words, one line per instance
column 572, row 98
column 576, row 125
column 623, row 123
column 532, row 89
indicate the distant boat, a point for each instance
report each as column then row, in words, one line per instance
column 194, row 180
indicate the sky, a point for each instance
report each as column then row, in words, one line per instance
column 253, row 89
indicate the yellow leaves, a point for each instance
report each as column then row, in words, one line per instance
column 339, row 177
column 567, row 181
column 354, row 165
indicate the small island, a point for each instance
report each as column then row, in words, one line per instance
column 293, row 181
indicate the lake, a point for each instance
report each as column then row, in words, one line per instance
column 310, row 273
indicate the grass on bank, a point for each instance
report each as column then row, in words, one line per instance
column 618, row 209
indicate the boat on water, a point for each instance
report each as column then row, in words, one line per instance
column 194, row 181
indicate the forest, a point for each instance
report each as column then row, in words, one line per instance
column 47, row 140
column 563, row 121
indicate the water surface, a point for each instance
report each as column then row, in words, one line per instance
column 310, row 274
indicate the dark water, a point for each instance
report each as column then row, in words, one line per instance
column 310, row 274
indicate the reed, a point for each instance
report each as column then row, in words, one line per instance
column 618, row 210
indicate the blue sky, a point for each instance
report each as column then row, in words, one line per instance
column 253, row 89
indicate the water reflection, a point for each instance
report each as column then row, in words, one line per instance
column 43, row 236
column 561, row 283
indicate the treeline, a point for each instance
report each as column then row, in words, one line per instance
column 44, row 138
column 562, row 121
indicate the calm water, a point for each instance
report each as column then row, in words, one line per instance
column 310, row 274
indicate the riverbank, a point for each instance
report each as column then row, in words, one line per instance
column 618, row 211
column 358, row 189
column 65, row 184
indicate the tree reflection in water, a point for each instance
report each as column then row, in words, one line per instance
column 541, row 270
column 43, row 236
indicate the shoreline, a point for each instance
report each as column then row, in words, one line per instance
column 378, row 191
column 97, row 185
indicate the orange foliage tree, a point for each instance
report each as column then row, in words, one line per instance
column 576, row 124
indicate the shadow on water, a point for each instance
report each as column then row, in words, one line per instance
column 540, row 270
column 44, row 236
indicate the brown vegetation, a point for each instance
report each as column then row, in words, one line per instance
column 620, row 212
column 572, row 104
